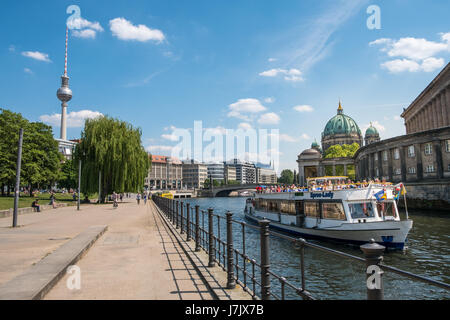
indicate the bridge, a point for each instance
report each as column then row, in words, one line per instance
column 224, row 191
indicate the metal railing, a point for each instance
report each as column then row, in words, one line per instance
column 255, row 277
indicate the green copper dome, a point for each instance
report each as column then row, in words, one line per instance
column 371, row 131
column 315, row 145
column 341, row 124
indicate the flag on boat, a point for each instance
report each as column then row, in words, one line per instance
column 400, row 189
column 381, row 195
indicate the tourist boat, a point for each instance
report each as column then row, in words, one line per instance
column 351, row 213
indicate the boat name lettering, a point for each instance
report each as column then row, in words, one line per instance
column 322, row 195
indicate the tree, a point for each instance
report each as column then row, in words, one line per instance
column 69, row 175
column 286, row 177
column 40, row 156
column 114, row 148
column 341, row 151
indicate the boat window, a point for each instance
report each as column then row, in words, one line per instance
column 333, row 210
column 312, row 209
column 386, row 209
column 361, row 210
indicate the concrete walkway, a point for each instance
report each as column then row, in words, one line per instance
column 137, row 258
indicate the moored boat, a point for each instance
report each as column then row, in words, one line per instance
column 344, row 212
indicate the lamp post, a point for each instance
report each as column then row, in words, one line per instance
column 79, row 182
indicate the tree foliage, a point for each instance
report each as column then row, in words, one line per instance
column 40, row 156
column 69, row 175
column 114, row 148
column 341, row 151
column 287, row 177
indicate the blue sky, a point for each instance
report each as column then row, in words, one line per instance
column 165, row 64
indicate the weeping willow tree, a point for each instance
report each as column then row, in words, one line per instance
column 111, row 149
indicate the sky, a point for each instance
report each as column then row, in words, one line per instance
column 161, row 65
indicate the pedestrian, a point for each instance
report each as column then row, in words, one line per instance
column 145, row 197
column 121, row 197
column 36, row 205
column 138, row 198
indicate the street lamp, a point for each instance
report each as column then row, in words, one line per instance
column 79, row 181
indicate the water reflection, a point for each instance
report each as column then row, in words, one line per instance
column 331, row 277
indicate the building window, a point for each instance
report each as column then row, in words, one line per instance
column 412, row 170
column 385, row 155
column 448, row 167
column 428, row 149
column 398, row 171
column 377, row 172
column 396, row 154
column 411, row 152
column 447, row 145
column 376, row 156
column 429, row 168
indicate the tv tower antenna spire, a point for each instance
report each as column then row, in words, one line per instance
column 64, row 94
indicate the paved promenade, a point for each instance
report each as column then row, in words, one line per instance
column 136, row 258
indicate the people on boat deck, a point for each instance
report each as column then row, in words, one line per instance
column 327, row 185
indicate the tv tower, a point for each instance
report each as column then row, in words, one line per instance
column 64, row 94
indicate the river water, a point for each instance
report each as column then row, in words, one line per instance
column 331, row 277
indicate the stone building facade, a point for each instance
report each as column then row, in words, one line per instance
column 421, row 158
column 165, row 173
column 194, row 174
column 430, row 110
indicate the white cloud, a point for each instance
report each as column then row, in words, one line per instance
column 36, row 55
column 27, row 70
column 81, row 23
column 269, row 118
column 159, row 148
column 286, row 138
column 397, row 118
column 170, row 137
column 272, row 59
column 269, row 100
column 244, row 126
column 125, row 30
column 289, row 75
column 248, row 105
column 400, row 65
column 375, row 124
column 85, row 34
column 303, row 108
column 304, row 136
column 415, row 54
column 431, row 64
column 75, row 119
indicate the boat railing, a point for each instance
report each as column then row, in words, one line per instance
column 213, row 233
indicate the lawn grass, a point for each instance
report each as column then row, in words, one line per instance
column 44, row 198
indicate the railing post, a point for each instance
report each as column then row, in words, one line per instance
column 373, row 252
column 211, row 250
column 265, row 259
column 197, row 231
column 176, row 214
column 181, row 216
column 188, row 222
column 231, row 283
column 170, row 209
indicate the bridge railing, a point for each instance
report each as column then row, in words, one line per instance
column 213, row 233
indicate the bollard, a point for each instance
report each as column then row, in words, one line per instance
column 265, row 259
column 181, row 216
column 197, row 231
column 231, row 283
column 176, row 214
column 373, row 252
column 188, row 222
column 211, row 250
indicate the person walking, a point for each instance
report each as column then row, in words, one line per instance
column 115, row 197
column 145, row 197
column 138, row 198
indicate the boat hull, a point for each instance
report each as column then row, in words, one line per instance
column 391, row 234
